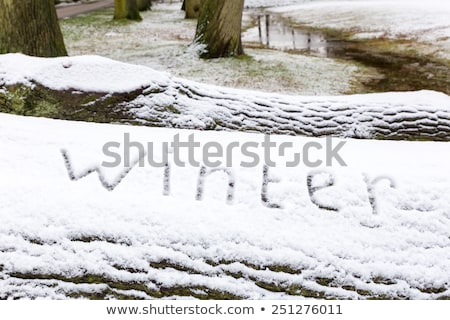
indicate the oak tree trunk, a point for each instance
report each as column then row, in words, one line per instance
column 219, row 28
column 126, row 9
column 192, row 8
column 30, row 27
column 144, row 5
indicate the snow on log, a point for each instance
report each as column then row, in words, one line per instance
column 70, row 228
column 91, row 88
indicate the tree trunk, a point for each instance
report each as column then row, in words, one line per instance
column 30, row 27
column 219, row 28
column 126, row 9
column 192, row 8
column 144, row 5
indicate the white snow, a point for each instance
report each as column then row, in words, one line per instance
column 43, row 213
column 84, row 73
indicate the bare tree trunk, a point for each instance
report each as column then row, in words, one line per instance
column 144, row 5
column 30, row 27
column 219, row 28
column 126, row 9
column 192, row 8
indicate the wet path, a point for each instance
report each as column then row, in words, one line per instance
column 77, row 9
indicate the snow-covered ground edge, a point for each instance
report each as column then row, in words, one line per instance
column 60, row 238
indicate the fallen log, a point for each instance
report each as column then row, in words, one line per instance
column 164, row 101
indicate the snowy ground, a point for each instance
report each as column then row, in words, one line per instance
column 161, row 41
column 54, row 228
column 379, row 227
column 423, row 21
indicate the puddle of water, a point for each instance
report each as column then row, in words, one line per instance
column 275, row 34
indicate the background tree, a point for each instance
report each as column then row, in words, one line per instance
column 192, row 8
column 30, row 27
column 126, row 9
column 144, row 5
column 219, row 28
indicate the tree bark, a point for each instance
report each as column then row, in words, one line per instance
column 144, row 5
column 219, row 28
column 192, row 8
column 126, row 9
column 30, row 27
column 175, row 105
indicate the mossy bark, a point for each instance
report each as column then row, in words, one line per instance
column 362, row 121
column 41, row 101
column 126, row 9
column 30, row 27
column 192, row 8
column 219, row 28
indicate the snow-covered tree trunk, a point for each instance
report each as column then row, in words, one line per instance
column 30, row 27
column 126, row 9
column 219, row 28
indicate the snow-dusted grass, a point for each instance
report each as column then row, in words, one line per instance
column 161, row 41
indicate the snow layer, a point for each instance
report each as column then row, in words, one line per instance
column 61, row 229
column 85, row 73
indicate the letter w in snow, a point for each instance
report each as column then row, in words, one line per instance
column 110, row 186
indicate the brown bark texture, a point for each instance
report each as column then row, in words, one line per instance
column 219, row 28
column 30, row 27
